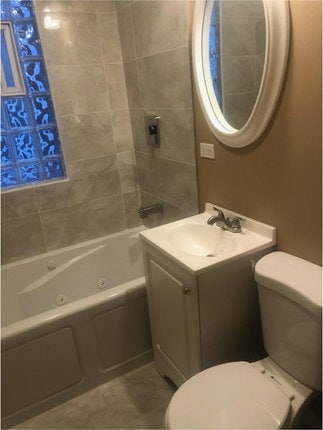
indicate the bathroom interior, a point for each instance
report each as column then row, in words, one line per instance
column 114, row 73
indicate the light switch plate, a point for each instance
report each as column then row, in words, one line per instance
column 207, row 150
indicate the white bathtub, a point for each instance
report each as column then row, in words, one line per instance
column 71, row 319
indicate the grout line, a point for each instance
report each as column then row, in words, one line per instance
column 162, row 52
column 84, row 202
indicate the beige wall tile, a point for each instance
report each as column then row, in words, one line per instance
column 93, row 179
column 169, row 181
column 121, row 4
column 52, row 196
column 177, row 135
column 164, row 80
column 132, row 84
column 21, row 238
column 126, row 34
column 138, row 131
column 132, row 203
column 88, row 180
column 147, row 200
column 176, row 132
column 109, row 37
column 74, row 224
column 116, row 85
column 79, row 89
column 87, row 134
column 75, row 42
column 145, row 181
column 107, row 6
column 18, row 203
column 171, row 213
column 128, row 172
column 159, row 26
column 122, row 130
column 174, row 183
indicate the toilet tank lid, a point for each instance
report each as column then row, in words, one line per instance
column 295, row 278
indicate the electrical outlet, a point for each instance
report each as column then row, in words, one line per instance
column 207, row 150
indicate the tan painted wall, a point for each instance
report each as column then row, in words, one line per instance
column 278, row 179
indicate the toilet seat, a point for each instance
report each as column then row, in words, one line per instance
column 232, row 395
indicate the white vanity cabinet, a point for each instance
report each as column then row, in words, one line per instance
column 199, row 320
column 202, row 297
column 174, row 316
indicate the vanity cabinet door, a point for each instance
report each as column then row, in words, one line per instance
column 174, row 320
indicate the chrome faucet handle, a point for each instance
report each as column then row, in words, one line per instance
column 220, row 213
column 234, row 224
column 239, row 218
column 216, row 218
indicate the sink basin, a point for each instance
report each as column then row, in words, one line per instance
column 202, row 240
column 197, row 246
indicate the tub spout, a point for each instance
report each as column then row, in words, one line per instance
column 148, row 210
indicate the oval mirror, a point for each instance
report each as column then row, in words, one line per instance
column 240, row 51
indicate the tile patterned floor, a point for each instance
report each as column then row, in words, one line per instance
column 136, row 400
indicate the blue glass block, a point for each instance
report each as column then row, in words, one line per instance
column 20, row 9
column 43, row 110
column 30, row 173
column 17, row 112
column 25, row 147
column 28, row 39
column 4, row 10
column 49, row 142
column 54, row 169
column 6, row 156
column 36, row 76
column 9, row 177
column 3, row 121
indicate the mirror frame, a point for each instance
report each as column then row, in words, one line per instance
column 276, row 57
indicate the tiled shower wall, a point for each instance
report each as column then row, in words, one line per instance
column 154, row 39
column 86, row 72
column 84, row 64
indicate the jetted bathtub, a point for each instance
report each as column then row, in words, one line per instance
column 71, row 319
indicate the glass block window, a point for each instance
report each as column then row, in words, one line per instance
column 30, row 144
column 215, row 52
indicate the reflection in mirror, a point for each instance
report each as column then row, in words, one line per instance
column 237, row 44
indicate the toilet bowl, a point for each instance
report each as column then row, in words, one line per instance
column 272, row 392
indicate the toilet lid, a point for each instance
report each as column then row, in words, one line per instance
column 228, row 396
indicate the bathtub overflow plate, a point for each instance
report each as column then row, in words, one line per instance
column 102, row 282
column 61, row 299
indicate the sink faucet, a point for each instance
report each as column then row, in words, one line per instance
column 231, row 224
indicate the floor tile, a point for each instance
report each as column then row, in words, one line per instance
column 136, row 400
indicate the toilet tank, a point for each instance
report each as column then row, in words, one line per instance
column 290, row 297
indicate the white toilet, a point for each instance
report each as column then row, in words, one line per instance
column 270, row 393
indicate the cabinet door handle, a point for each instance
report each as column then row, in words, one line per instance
column 186, row 291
